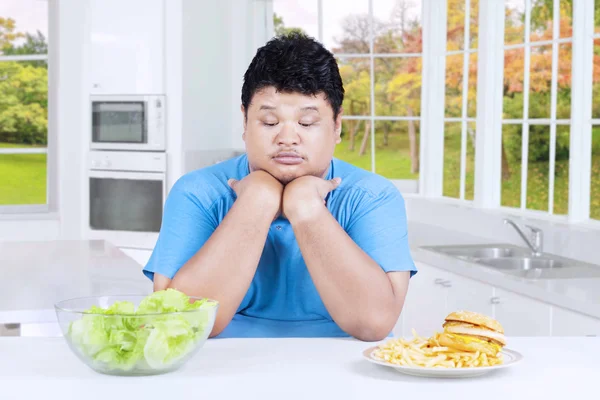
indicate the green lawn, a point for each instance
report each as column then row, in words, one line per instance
column 22, row 178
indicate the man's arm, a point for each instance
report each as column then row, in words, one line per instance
column 224, row 266
column 360, row 296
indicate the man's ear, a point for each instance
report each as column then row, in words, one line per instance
column 338, row 127
column 245, row 121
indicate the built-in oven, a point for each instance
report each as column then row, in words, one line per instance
column 122, row 122
column 127, row 192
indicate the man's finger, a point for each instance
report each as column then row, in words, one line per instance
column 335, row 182
column 232, row 182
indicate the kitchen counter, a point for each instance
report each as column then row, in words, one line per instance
column 580, row 295
column 35, row 275
column 289, row 369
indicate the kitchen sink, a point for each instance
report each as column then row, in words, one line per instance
column 519, row 261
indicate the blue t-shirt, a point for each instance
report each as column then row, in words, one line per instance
column 282, row 300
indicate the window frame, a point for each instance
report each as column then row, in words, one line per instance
column 10, row 211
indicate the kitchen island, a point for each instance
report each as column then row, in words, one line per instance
column 36, row 275
column 552, row 368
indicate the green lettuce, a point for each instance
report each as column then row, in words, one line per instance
column 121, row 337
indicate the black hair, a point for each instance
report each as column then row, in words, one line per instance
column 294, row 62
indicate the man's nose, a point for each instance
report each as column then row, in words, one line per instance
column 288, row 135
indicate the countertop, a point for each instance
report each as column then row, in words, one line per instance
column 291, row 369
column 35, row 275
column 579, row 295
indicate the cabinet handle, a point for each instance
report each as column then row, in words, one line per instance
column 495, row 300
column 438, row 281
column 447, row 284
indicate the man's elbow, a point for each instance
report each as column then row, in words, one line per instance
column 374, row 329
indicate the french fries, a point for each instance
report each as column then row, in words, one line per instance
column 427, row 352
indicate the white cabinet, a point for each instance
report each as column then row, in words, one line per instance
column 520, row 315
column 425, row 304
column 569, row 323
column 468, row 294
column 127, row 46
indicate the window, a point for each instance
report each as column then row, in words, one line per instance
column 378, row 48
column 537, row 105
column 23, row 104
column 460, row 107
column 537, row 129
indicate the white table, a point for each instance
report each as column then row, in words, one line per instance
column 35, row 275
column 288, row 369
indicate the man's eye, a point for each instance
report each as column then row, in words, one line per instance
column 267, row 124
column 305, row 125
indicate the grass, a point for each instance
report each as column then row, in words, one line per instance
column 22, row 178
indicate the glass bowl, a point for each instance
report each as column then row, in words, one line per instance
column 131, row 343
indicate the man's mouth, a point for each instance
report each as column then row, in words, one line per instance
column 288, row 158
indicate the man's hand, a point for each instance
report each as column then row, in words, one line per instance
column 304, row 197
column 260, row 186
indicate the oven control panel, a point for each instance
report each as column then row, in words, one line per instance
column 127, row 161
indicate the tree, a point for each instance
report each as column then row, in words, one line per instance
column 7, row 33
column 280, row 28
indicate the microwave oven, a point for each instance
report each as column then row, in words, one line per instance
column 132, row 122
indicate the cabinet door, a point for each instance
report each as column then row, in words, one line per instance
column 520, row 315
column 569, row 323
column 127, row 46
column 425, row 305
column 471, row 295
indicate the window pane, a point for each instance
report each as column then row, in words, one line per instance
column 538, row 166
column 346, row 26
column 455, row 33
column 397, row 26
column 22, row 178
column 24, row 102
column 355, row 147
column 541, row 20
column 595, row 188
column 397, row 149
column 474, row 21
column 398, row 86
column 563, row 106
column 511, row 165
column 23, row 27
column 561, row 170
column 454, row 79
column 514, row 25
column 596, row 81
column 470, row 169
column 455, row 38
column 452, row 141
column 513, row 83
column 566, row 19
column 472, row 95
column 540, row 79
column 299, row 15
column 356, row 77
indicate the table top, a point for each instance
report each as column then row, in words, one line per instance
column 323, row 368
column 36, row 275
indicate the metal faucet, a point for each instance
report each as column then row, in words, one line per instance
column 536, row 241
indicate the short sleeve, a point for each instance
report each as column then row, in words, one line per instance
column 186, row 226
column 379, row 227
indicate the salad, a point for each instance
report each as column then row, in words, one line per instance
column 122, row 337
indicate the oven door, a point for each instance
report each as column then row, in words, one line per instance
column 126, row 208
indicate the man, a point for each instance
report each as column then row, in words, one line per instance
column 289, row 240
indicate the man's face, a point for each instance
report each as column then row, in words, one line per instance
column 290, row 135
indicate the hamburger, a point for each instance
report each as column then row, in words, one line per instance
column 472, row 332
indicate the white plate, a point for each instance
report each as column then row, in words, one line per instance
column 511, row 358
